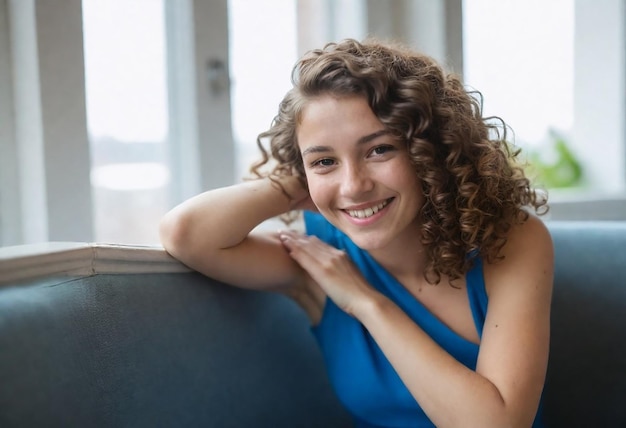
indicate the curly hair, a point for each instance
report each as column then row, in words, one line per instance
column 474, row 188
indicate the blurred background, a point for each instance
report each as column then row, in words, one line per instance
column 114, row 111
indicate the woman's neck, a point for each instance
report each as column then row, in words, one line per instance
column 404, row 258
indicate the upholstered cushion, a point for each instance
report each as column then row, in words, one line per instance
column 586, row 383
column 181, row 350
column 158, row 350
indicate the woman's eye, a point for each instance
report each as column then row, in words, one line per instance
column 324, row 162
column 381, row 150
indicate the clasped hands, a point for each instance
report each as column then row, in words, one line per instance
column 330, row 268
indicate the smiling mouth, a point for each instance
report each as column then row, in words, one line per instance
column 369, row 211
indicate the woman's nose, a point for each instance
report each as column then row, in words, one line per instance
column 355, row 181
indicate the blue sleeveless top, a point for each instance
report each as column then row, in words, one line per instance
column 364, row 380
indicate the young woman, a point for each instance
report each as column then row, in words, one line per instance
column 425, row 272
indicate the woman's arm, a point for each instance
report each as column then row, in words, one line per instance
column 505, row 389
column 211, row 233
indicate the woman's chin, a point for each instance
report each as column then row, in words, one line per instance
column 368, row 241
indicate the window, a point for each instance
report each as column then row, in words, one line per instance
column 554, row 71
column 125, row 72
column 263, row 43
column 45, row 194
column 520, row 56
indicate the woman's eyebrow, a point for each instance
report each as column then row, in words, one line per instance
column 363, row 140
column 367, row 138
column 316, row 149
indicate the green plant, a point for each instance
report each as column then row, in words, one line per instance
column 555, row 165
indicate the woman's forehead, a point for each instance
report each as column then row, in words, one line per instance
column 330, row 118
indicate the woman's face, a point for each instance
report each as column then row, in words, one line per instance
column 359, row 177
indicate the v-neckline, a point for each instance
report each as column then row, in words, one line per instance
column 406, row 298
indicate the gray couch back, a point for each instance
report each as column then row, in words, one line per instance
column 158, row 350
column 586, row 381
column 181, row 350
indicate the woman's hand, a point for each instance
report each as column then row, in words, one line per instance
column 330, row 268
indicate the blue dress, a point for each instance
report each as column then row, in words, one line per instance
column 361, row 375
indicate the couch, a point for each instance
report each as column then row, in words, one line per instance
column 101, row 336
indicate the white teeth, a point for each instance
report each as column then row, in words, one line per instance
column 367, row 212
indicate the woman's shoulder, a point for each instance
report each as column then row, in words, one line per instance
column 532, row 233
column 528, row 250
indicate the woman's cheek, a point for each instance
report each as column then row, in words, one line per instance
column 315, row 198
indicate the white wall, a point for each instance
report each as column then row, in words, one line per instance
column 66, row 158
column 10, row 221
column 600, row 92
column 202, row 154
column 213, row 107
column 433, row 27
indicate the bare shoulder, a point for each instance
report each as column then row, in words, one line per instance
column 516, row 332
column 532, row 233
column 527, row 253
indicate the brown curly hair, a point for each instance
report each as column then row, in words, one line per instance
column 473, row 186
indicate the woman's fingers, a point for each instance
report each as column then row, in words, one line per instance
column 329, row 267
column 316, row 257
column 309, row 248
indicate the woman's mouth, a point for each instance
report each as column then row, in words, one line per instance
column 369, row 211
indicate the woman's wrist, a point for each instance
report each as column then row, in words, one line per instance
column 293, row 189
column 370, row 303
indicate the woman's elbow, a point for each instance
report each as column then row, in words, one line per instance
column 174, row 233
